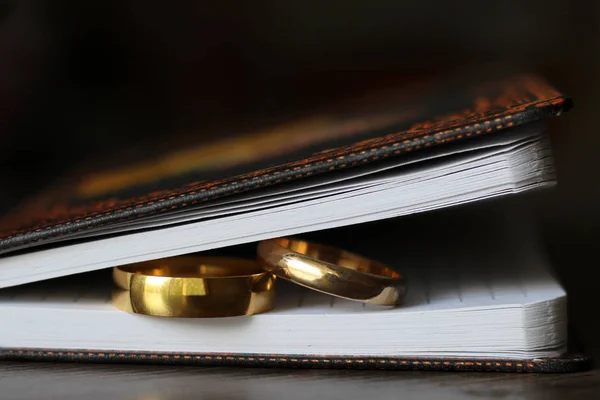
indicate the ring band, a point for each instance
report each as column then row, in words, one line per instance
column 194, row 287
column 332, row 271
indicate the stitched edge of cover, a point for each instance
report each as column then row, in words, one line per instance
column 547, row 365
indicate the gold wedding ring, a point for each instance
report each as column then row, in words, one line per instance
column 332, row 271
column 194, row 287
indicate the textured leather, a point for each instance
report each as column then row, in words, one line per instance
column 411, row 122
column 569, row 363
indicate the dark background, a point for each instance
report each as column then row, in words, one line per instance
column 83, row 76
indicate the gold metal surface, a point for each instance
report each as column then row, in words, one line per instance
column 194, row 287
column 332, row 271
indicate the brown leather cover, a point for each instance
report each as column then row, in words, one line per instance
column 568, row 363
column 366, row 129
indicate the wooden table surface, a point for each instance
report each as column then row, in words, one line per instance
column 81, row 381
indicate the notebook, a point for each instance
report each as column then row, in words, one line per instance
column 382, row 153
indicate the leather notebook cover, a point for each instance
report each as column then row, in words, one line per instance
column 359, row 132
column 363, row 130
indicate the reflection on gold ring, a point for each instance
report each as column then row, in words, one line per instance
column 194, row 287
column 332, row 271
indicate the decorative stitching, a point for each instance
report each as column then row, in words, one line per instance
column 538, row 365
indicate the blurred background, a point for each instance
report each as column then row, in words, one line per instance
column 77, row 76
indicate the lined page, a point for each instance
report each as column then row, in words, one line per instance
column 84, row 291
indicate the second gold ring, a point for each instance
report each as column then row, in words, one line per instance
column 332, row 271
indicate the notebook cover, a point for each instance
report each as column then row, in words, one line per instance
column 567, row 363
column 365, row 129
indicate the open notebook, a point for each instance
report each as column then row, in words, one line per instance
column 475, row 301
column 492, row 299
